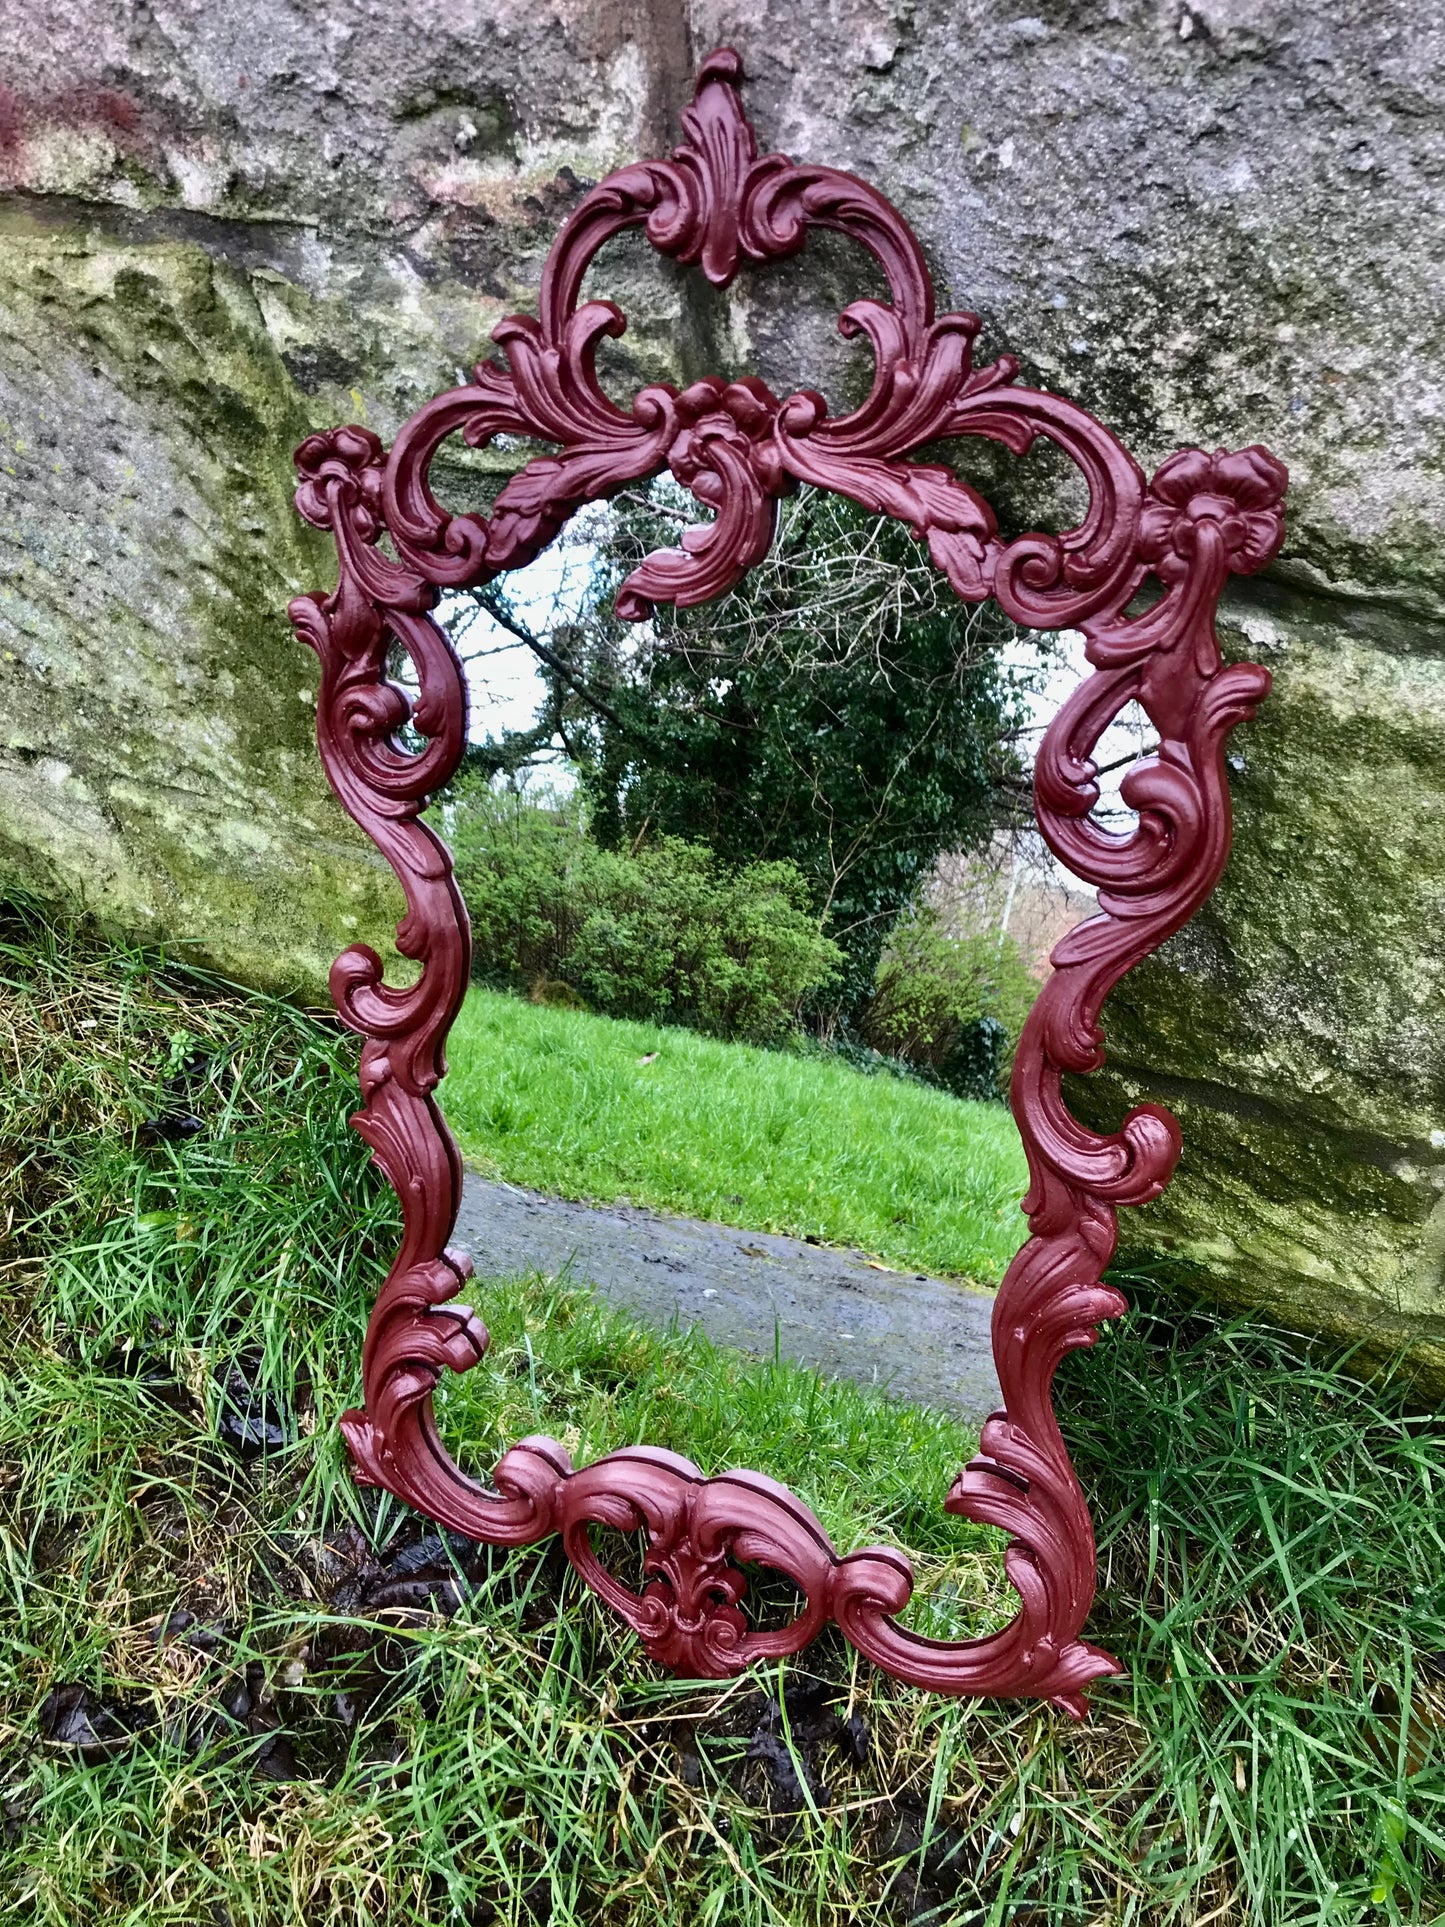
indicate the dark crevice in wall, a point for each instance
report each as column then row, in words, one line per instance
column 1357, row 1147
column 248, row 244
column 667, row 45
column 19, row 206
column 1391, row 624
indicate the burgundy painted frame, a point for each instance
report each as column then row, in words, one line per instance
column 717, row 204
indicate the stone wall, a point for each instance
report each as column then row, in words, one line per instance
column 1213, row 223
column 221, row 227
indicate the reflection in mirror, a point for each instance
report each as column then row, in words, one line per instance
column 758, row 912
column 1129, row 739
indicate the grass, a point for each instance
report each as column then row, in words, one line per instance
column 871, row 1469
column 234, row 1689
column 589, row 1107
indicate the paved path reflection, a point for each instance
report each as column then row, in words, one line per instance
column 919, row 1337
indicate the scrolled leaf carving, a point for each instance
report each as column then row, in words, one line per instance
column 715, row 203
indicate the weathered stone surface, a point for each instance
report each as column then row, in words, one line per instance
column 156, row 750
column 220, row 228
column 1297, row 1027
column 1213, row 222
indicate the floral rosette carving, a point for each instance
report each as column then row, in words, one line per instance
column 718, row 205
column 1237, row 496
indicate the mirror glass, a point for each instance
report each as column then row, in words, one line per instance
column 758, row 913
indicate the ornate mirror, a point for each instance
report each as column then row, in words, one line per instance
column 718, row 206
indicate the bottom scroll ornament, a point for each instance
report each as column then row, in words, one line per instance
column 701, row 1533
